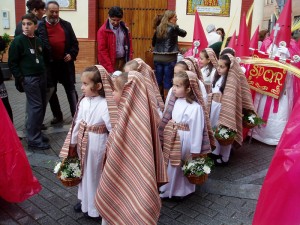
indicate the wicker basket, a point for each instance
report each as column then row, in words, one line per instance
column 69, row 182
column 225, row 142
column 193, row 179
column 248, row 125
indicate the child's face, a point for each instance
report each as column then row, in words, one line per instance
column 88, row 88
column 178, row 68
column 28, row 27
column 203, row 61
column 178, row 88
column 117, row 95
column 222, row 68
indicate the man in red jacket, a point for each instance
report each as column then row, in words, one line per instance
column 114, row 42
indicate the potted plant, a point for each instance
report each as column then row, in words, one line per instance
column 4, row 43
column 251, row 120
column 224, row 135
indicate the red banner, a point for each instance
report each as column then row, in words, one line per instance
column 265, row 80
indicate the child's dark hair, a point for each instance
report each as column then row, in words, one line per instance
column 210, row 66
column 217, row 76
column 228, row 50
column 96, row 78
column 190, row 97
column 31, row 17
column 120, row 81
column 35, row 4
column 183, row 64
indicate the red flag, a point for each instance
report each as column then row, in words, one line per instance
column 254, row 39
column 199, row 35
column 243, row 42
column 285, row 22
column 232, row 42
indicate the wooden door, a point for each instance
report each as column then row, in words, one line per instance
column 138, row 16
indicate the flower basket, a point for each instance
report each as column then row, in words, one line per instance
column 248, row 125
column 251, row 120
column 194, row 179
column 225, row 142
column 69, row 182
column 224, row 135
column 197, row 170
column 69, row 172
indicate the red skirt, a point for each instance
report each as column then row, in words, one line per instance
column 17, row 182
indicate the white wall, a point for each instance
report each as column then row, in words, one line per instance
column 78, row 18
column 10, row 6
column 186, row 22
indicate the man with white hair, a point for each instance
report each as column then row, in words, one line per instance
column 212, row 36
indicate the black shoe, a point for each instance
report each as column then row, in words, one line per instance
column 77, row 207
column 214, row 156
column 222, row 163
column 56, row 120
column 45, row 138
column 86, row 215
column 44, row 127
column 40, row 146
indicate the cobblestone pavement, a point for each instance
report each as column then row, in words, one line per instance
column 228, row 197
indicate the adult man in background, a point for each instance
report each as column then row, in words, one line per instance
column 212, row 36
column 61, row 50
column 114, row 42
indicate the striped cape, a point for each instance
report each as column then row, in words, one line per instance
column 208, row 141
column 212, row 57
column 236, row 96
column 193, row 66
column 134, row 166
column 112, row 108
column 147, row 71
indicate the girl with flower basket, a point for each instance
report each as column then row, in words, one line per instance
column 186, row 132
column 88, row 134
column 230, row 95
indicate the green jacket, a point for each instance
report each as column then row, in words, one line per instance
column 22, row 60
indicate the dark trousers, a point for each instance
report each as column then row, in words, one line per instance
column 164, row 72
column 63, row 73
column 8, row 108
column 35, row 90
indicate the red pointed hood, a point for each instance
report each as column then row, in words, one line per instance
column 232, row 42
column 199, row 34
column 243, row 42
column 284, row 21
column 254, row 39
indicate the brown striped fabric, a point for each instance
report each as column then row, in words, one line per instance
column 231, row 110
column 83, row 137
column 216, row 97
column 134, row 166
column 194, row 67
column 108, row 89
column 147, row 71
column 172, row 145
column 212, row 57
column 208, row 140
column 112, row 108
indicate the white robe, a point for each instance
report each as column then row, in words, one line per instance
column 208, row 78
column 191, row 141
column 214, row 117
column 94, row 111
column 271, row 133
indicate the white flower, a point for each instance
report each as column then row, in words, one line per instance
column 184, row 168
column 206, row 169
column 226, row 136
column 222, row 131
column 251, row 118
column 191, row 164
column 77, row 172
column 57, row 167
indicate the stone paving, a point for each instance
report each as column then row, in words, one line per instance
column 228, row 197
